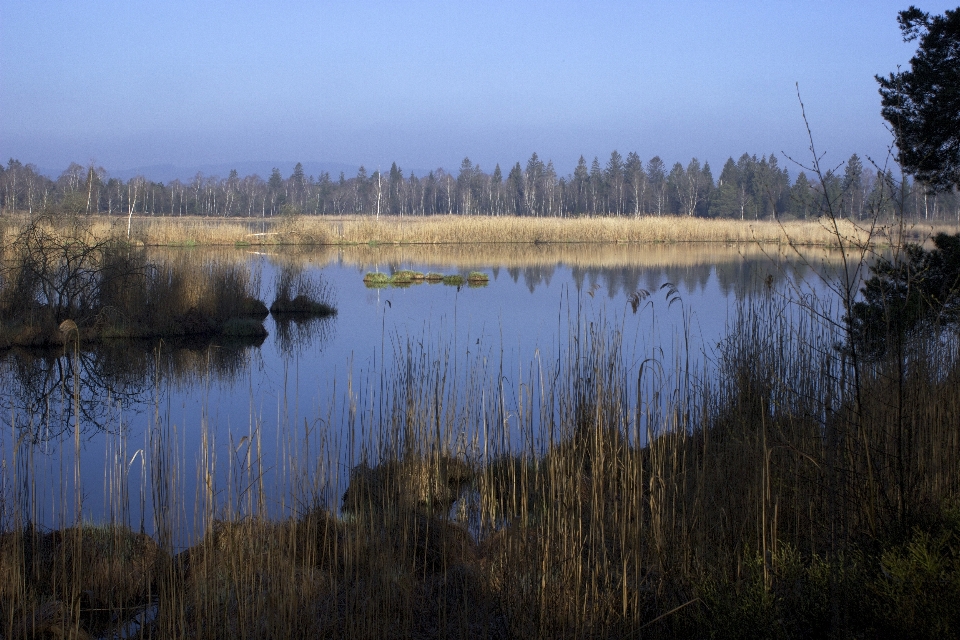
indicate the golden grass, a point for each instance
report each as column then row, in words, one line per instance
column 780, row 497
column 482, row 229
column 606, row 516
column 761, row 501
column 468, row 257
column 191, row 231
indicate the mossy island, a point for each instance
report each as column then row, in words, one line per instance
column 406, row 278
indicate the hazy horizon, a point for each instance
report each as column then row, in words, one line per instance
column 128, row 85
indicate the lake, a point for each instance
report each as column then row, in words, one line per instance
column 172, row 429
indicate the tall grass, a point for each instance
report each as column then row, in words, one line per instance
column 176, row 231
column 59, row 281
column 759, row 499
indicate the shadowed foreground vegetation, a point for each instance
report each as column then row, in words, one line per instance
column 787, row 494
column 62, row 283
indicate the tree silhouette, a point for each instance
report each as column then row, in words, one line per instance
column 922, row 105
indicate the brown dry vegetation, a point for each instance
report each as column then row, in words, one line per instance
column 63, row 281
column 575, row 255
column 783, row 497
column 188, row 231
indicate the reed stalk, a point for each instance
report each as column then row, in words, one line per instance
column 670, row 500
column 457, row 230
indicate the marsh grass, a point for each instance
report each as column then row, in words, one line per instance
column 297, row 292
column 600, row 501
column 455, row 230
column 59, row 283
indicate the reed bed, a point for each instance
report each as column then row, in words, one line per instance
column 486, row 229
column 62, row 283
column 448, row 229
column 468, row 229
column 786, row 494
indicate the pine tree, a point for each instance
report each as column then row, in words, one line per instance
column 922, row 105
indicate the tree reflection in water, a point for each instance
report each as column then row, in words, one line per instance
column 296, row 332
column 45, row 391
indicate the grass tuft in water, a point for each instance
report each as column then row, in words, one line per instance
column 301, row 293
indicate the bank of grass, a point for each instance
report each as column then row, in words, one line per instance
column 780, row 497
column 450, row 229
column 64, row 284
column 297, row 293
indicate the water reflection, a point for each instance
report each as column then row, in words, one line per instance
column 299, row 333
column 620, row 270
column 327, row 372
column 740, row 280
column 46, row 391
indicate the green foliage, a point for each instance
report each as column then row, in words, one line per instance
column 374, row 278
column 402, row 277
column 918, row 288
column 922, row 105
column 917, row 591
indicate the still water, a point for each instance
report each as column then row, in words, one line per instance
column 171, row 429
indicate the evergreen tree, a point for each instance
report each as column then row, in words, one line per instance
column 675, row 187
column 922, row 105
column 802, row 197
column 657, row 175
column 707, row 186
column 515, row 196
column 496, row 188
column 396, row 190
column 831, row 191
column 274, row 187
column 613, row 178
column 581, row 185
column 298, row 186
column 596, row 186
column 746, row 195
column 464, row 192
column 636, row 180
column 360, row 190
column 725, row 203
column 853, row 188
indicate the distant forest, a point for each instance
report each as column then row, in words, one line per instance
column 749, row 188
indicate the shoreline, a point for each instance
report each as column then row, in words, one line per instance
column 483, row 230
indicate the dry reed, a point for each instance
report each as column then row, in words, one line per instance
column 446, row 229
column 781, row 497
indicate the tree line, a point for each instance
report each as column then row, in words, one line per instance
column 749, row 188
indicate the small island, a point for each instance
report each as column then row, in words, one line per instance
column 61, row 284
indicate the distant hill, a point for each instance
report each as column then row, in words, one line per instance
column 168, row 172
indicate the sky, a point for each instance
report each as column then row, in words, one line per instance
column 128, row 84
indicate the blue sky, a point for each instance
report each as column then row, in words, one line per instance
column 130, row 84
